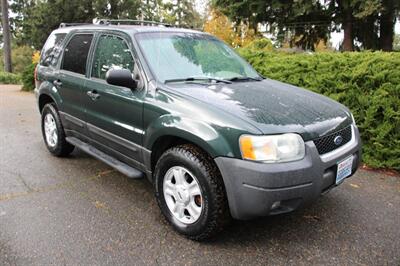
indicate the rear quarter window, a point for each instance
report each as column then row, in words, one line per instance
column 76, row 53
column 52, row 49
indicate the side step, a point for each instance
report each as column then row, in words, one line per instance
column 120, row 166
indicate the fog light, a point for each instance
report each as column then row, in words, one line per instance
column 275, row 205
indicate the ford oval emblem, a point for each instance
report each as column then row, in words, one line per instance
column 338, row 140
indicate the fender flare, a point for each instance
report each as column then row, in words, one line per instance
column 197, row 132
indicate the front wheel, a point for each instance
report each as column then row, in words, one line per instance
column 190, row 192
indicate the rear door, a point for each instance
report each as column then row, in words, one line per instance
column 70, row 81
column 47, row 68
column 114, row 114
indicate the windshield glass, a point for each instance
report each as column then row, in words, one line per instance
column 174, row 56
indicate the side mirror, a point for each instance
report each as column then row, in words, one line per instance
column 121, row 77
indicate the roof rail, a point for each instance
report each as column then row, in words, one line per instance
column 129, row 22
column 101, row 21
column 63, row 25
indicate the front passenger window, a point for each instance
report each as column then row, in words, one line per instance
column 111, row 52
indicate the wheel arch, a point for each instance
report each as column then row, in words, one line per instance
column 169, row 131
column 44, row 99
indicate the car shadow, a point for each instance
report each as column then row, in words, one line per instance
column 305, row 225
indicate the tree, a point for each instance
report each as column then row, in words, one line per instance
column 36, row 19
column 151, row 10
column 182, row 13
column 305, row 23
column 387, row 20
column 235, row 35
column 6, row 36
column 220, row 26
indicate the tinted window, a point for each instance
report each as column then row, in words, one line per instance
column 52, row 49
column 111, row 52
column 76, row 53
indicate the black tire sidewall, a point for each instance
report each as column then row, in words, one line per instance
column 58, row 148
column 176, row 158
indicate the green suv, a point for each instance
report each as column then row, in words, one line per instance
column 182, row 109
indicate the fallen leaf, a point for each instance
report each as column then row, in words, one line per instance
column 99, row 205
column 313, row 217
column 354, row 185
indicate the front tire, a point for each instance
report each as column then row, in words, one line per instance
column 53, row 132
column 190, row 192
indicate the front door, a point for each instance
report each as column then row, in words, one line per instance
column 114, row 114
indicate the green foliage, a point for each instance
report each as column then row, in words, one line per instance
column 182, row 13
column 27, row 77
column 21, row 57
column 35, row 19
column 9, row 78
column 303, row 23
column 260, row 44
column 368, row 83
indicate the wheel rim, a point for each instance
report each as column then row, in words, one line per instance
column 50, row 130
column 182, row 194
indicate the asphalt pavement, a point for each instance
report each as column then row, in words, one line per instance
column 79, row 211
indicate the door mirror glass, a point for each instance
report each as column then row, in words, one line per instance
column 121, row 77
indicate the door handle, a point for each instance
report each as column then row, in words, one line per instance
column 57, row 83
column 93, row 95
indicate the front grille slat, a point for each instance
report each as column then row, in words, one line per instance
column 326, row 143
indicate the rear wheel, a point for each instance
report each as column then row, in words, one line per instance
column 190, row 192
column 53, row 132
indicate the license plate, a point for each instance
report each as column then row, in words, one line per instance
column 344, row 169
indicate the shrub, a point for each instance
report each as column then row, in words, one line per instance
column 27, row 77
column 260, row 44
column 21, row 57
column 9, row 78
column 367, row 82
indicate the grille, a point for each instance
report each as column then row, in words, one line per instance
column 326, row 144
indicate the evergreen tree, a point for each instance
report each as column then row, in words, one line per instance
column 182, row 13
column 305, row 22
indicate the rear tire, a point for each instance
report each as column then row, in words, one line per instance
column 211, row 211
column 53, row 132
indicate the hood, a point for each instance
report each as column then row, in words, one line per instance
column 271, row 106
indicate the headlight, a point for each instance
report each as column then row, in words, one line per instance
column 273, row 148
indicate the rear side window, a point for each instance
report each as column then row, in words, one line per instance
column 111, row 52
column 52, row 49
column 76, row 53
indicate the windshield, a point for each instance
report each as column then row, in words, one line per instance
column 179, row 56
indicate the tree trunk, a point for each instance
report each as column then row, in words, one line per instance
column 348, row 30
column 178, row 4
column 369, row 34
column 6, row 36
column 387, row 26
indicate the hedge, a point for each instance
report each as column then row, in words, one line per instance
column 9, row 78
column 366, row 82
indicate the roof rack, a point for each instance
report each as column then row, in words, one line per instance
column 98, row 21
column 63, row 25
column 129, row 22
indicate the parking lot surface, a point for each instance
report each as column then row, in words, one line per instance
column 78, row 210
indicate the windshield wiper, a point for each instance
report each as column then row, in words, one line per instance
column 198, row 79
column 245, row 79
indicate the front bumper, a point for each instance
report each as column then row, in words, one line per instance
column 259, row 189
